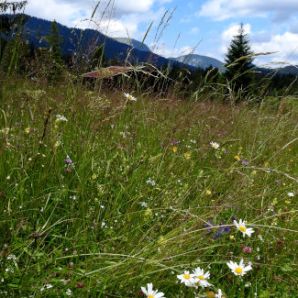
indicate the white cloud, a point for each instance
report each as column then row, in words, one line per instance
column 284, row 45
column 63, row 12
column 229, row 33
column 225, row 9
column 164, row 1
column 168, row 52
column 233, row 30
column 115, row 18
column 116, row 28
column 123, row 6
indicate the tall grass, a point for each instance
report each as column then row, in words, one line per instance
column 143, row 196
column 100, row 195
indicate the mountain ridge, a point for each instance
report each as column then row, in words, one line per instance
column 84, row 41
column 133, row 43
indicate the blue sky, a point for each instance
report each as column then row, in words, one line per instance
column 201, row 26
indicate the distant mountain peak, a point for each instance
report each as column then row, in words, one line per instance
column 133, row 43
column 200, row 61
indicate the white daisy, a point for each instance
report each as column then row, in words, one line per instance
column 129, row 97
column 150, row 293
column 239, row 269
column 219, row 294
column 214, row 145
column 46, row 287
column 201, row 277
column 291, row 194
column 61, row 118
column 187, row 279
column 241, row 226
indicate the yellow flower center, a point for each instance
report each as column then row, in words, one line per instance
column 210, row 294
column 186, row 276
column 242, row 229
column 238, row 270
column 150, row 296
column 201, row 277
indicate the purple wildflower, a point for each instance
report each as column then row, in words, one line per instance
column 69, row 165
column 209, row 225
column 68, row 161
column 247, row 249
column 221, row 231
column 245, row 162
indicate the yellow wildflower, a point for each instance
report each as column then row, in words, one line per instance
column 237, row 157
column 174, row 149
column 27, row 130
column 187, row 155
column 148, row 213
column 57, row 144
column 208, row 192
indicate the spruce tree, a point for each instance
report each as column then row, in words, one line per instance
column 54, row 40
column 239, row 61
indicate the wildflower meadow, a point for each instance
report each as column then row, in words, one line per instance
column 118, row 194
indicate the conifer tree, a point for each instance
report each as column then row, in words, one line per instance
column 239, row 61
column 54, row 39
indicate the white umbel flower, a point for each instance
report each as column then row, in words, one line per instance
column 201, row 277
column 241, row 226
column 187, row 279
column 61, row 118
column 68, row 292
column 130, row 97
column 150, row 293
column 219, row 294
column 239, row 269
column 214, row 145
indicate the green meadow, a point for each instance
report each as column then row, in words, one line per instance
column 101, row 195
